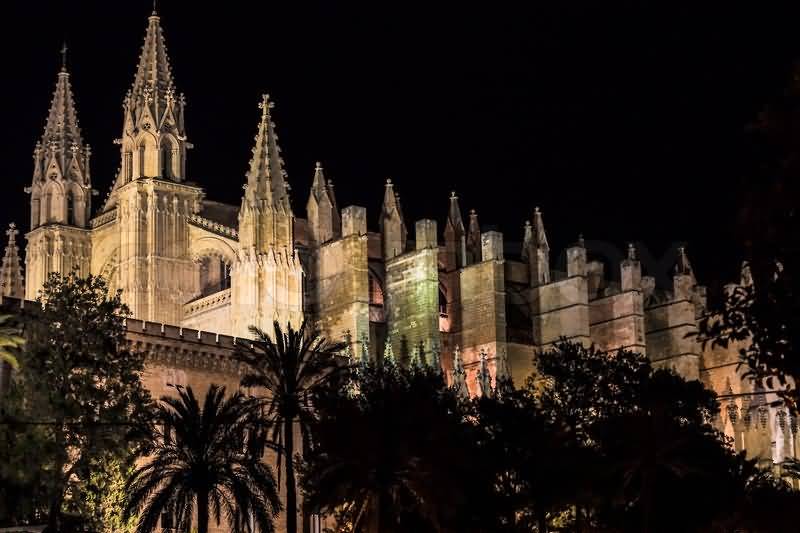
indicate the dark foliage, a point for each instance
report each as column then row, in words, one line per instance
column 201, row 458
column 395, row 452
column 284, row 372
column 75, row 398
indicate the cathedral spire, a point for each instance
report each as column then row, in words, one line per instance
column 539, row 235
column 454, row 235
column 682, row 265
column 153, row 85
column 323, row 217
column 454, row 214
column 153, row 142
column 393, row 227
column 61, row 187
column 11, row 272
column 536, row 250
column 266, row 178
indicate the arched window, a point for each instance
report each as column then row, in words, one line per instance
column 376, row 308
column 70, row 209
column 166, row 160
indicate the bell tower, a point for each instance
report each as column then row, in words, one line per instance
column 60, row 192
column 152, row 201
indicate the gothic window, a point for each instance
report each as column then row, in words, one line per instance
column 35, row 207
column 141, row 159
column 70, row 209
column 376, row 309
column 167, row 160
column 128, row 166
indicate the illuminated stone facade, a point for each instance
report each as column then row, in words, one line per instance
column 195, row 271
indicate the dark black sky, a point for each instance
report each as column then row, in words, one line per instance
column 622, row 120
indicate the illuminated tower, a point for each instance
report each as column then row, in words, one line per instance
column 266, row 276
column 152, row 201
column 61, row 194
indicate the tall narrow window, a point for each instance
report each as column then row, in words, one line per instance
column 70, row 209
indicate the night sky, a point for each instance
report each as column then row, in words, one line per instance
column 622, row 120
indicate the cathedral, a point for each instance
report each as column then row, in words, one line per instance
column 197, row 273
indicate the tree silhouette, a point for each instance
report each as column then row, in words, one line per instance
column 286, row 371
column 395, row 452
column 201, row 458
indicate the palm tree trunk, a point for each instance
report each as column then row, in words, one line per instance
column 202, row 512
column 291, row 484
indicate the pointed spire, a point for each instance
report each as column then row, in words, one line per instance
column 61, row 156
column 152, row 85
column 391, row 200
column 266, row 176
column 527, row 240
column 11, row 271
column 473, row 239
column 539, row 235
column 454, row 235
column 392, row 225
column 61, row 131
column 459, row 375
column 502, row 374
column 323, row 217
column 483, row 377
column 319, row 187
column 454, row 214
column 388, row 353
column 682, row 265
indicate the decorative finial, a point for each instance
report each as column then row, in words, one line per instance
column 388, row 182
column 536, row 210
column 581, row 242
column 631, row 252
column 453, row 195
column 473, row 213
column 64, row 57
column 155, row 8
column 318, row 165
column 12, row 232
column 265, row 104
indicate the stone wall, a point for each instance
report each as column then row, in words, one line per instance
column 412, row 301
column 339, row 282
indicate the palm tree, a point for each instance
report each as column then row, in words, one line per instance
column 204, row 457
column 288, row 370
